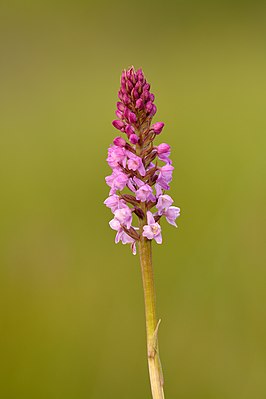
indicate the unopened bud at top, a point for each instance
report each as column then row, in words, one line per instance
column 149, row 106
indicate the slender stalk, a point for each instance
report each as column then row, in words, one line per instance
column 155, row 369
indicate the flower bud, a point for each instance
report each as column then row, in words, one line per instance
column 154, row 110
column 133, row 78
column 157, row 127
column 120, row 95
column 130, row 199
column 146, row 87
column 135, row 93
column 148, row 106
column 126, row 99
column 129, row 73
column 138, row 87
column 129, row 130
column 145, row 95
column 119, row 114
column 139, row 103
column 133, row 138
column 132, row 117
column 123, row 88
column 120, row 106
column 139, row 212
column 118, row 124
column 140, row 75
column 163, row 148
column 119, row 141
column 129, row 86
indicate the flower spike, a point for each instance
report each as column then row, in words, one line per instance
column 133, row 161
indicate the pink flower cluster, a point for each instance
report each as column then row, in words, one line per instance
column 138, row 166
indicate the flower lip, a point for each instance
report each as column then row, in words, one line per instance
column 155, row 229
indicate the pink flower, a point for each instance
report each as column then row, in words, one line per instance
column 152, row 229
column 171, row 214
column 115, row 225
column 117, row 181
column 144, row 193
column 115, row 202
column 163, row 151
column 164, row 202
column 130, row 185
column 165, row 176
column 122, row 236
column 135, row 163
column 116, row 156
column 158, row 189
column 126, row 239
column 124, row 216
column 138, row 182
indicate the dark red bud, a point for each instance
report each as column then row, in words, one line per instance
column 139, row 212
column 130, row 199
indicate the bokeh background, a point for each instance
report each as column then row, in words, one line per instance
column 72, row 317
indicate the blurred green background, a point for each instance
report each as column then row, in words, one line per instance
column 72, row 317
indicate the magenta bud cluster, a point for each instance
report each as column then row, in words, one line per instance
column 138, row 166
column 134, row 90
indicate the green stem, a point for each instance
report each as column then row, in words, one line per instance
column 155, row 370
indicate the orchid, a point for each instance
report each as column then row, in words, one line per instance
column 135, row 163
column 144, row 193
column 124, row 216
column 163, row 203
column 117, row 181
column 141, row 175
column 116, row 156
column 152, row 229
column 172, row 214
column 163, row 151
column 115, row 202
